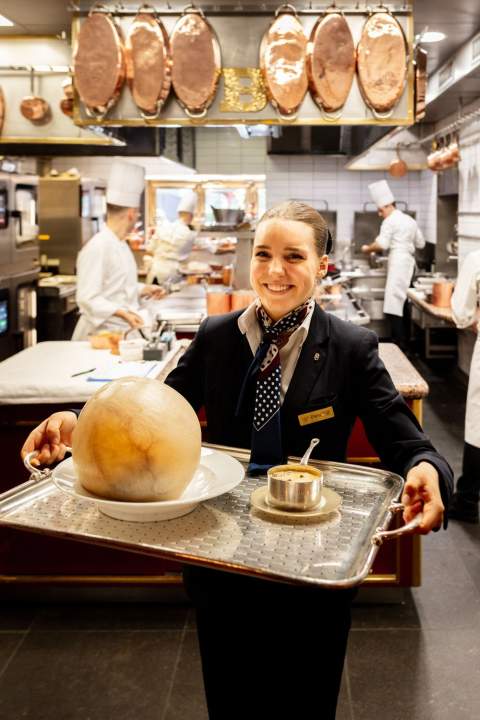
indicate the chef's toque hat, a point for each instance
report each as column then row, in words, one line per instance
column 188, row 203
column 125, row 184
column 381, row 193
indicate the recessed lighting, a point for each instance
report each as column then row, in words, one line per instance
column 5, row 22
column 431, row 36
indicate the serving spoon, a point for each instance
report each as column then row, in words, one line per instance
column 313, row 443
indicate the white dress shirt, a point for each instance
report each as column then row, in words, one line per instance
column 289, row 354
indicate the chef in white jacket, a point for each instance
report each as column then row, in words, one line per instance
column 172, row 242
column 465, row 300
column 108, row 291
column 400, row 236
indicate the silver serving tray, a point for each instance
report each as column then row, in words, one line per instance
column 336, row 551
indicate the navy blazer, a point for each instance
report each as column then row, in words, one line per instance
column 338, row 371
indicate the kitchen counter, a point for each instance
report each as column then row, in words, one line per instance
column 43, row 373
column 406, row 378
column 439, row 312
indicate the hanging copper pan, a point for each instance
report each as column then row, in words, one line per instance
column 33, row 107
column 99, row 63
column 196, row 62
column 148, row 62
column 331, row 63
column 283, row 62
column 398, row 167
column 66, row 104
column 382, row 63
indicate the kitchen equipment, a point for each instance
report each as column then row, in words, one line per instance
column 66, row 104
column 283, row 62
column 218, row 301
column 148, row 62
column 19, row 262
column 442, row 291
column 35, row 108
column 398, row 167
column 99, row 62
column 382, row 63
column 337, row 552
column 196, row 62
column 242, row 299
column 228, row 216
column 294, row 487
column 331, row 63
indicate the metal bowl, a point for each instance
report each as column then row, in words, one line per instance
column 303, row 491
column 227, row 216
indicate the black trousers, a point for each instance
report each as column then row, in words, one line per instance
column 399, row 327
column 468, row 484
column 269, row 650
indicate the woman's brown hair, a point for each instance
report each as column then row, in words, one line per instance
column 301, row 212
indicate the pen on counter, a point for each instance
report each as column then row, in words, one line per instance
column 83, row 372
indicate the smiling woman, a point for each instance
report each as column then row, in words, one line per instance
column 288, row 257
column 258, row 373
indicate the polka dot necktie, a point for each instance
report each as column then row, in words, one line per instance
column 266, row 369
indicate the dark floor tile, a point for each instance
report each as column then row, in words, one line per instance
column 114, row 616
column 466, row 539
column 17, row 616
column 9, row 644
column 447, row 597
column 187, row 700
column 344, row 707
column 89, row 676
column 420, row 675
column 398, row 615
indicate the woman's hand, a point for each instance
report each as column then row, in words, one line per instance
column 50, row 438
column 422, row 494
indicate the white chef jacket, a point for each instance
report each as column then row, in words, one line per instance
column 400, row 235
column 171, row 243
column 289, row 353
column 106, row 282
column 464, row 309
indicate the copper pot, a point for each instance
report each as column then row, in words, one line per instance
column 35, row 108
column 442, row 293
column 398, row 167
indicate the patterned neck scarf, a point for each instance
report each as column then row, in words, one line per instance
column 266, row 369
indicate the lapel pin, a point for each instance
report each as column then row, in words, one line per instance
column 316, row 356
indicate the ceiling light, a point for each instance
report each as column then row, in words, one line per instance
column 432, row 36
column 5, row 22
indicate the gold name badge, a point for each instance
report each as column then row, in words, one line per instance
column 316, row 416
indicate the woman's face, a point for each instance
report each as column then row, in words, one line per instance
column 285, row 265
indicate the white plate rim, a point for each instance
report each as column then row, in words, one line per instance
column 237, row 473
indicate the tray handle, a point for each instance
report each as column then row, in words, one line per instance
column 37, row 474
column 380, row 535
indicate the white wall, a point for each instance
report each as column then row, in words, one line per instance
column 469, row 189
column 314, row 178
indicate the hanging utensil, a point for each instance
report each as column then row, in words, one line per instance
column 283, row 60
column 331, row 60
column 148, row 62
column 382, row 63
column 196, row 62
column 33, row 107
column 398, row 167
column 99, row 62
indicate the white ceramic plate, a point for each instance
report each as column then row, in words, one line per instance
column 216, row 474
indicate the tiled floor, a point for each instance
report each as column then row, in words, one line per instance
column 418, row 660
